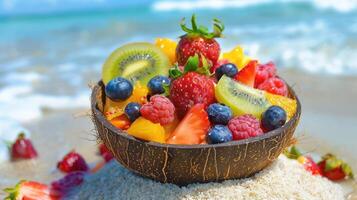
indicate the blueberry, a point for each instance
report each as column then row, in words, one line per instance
column 155, row 84
column 219, row 113
column 274, row 117
column 132, row 111
column 228, row 69
column 119, row 89
column 219, row 134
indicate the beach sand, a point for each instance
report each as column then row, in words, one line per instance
column 284, row 179
column 328, row 124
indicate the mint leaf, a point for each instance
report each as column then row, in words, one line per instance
column 175, row 72
column 192, row 64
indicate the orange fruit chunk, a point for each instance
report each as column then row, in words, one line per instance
column 121, row 122
column 288, row 104
column 147, row 130
column 237, row 57
column 114, row 109
column 168, row 46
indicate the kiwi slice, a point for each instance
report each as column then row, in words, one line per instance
column 240, row 98
column 136, row 61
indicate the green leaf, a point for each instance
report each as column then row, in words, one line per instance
column 294, row 153
column 184, row 27
column 205, row 69
column 166, row 89
column 192, row 63
column 193, row 22
column 347, row 170
column 332, row 163
column 175, row 72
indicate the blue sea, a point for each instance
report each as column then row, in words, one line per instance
column 50, row 50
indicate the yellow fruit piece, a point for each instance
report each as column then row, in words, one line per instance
column 147, row 130
column 302, row 159
column 237, row 57
column 288, row 104
column 168, row 46
column 169, row 128
column 114, row 109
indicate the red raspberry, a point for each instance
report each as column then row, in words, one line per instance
column 244, row 127
column 72, row 162
column 159, row 110
column 264, row 72
column 275, row 86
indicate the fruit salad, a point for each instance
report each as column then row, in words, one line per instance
column 190, row 92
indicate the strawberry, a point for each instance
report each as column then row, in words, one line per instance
column 190, row 89
column 247, row 74
column 67, row 183
column 335, row 169
column 199, row 40
column 23, row 148
column 193, row 128
column 105, row 152
column 310, row 165
column 30, row 190
column 72, row 162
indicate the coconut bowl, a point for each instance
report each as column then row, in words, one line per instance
column 185, row 164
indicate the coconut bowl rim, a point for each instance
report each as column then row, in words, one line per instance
column 100, row 117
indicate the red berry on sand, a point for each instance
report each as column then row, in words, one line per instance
column 190, row 89
column 159, row 110
column 72, row 162
column 105, row 152
column 23, row 148
column 245, row 126
column 309, row 165
column 275, row 86
column 264, row 72
column 71, row 180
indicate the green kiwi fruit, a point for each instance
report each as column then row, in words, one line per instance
column 240, row 98
column 136, row 61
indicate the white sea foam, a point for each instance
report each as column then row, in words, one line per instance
column 341, row 5
column 29, row 107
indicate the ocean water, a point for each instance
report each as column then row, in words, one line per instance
column 50, row 50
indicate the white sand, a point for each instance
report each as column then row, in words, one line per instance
column 285, row 179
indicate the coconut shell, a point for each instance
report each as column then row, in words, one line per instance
column 185, row 164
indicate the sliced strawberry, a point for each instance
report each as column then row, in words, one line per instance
column 23, row 148
column 247, row 74
column 30, row 190
column 193, row 127
column 72, row 162
column 67, row 183
column 105, row 152
column 310, row 165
